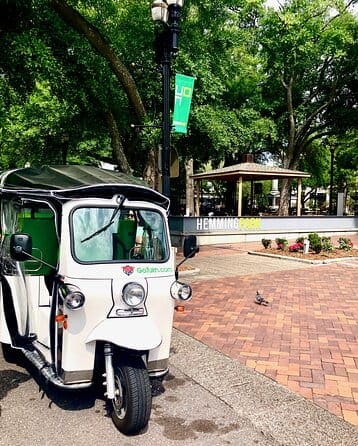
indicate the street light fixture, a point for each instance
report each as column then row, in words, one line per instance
column 160, row 11
column 166, row 45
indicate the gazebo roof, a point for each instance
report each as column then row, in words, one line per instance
column 250, row 171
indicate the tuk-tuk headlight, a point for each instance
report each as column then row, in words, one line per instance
column 72, row 297
column 133, row 294
column 181, row 291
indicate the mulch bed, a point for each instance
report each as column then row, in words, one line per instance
column 323, row 255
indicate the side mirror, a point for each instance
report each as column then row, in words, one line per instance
column 20, row 247
column 190, row 246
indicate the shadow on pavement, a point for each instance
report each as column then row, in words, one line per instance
column 10, row 379
column 64, row 399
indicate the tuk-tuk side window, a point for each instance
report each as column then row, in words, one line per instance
column 9, row 222
column 9, row 213
column 36, row 219
column 103, row 234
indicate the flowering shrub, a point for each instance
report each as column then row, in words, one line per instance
column 281, row 243
column 298, row 246
column 345, row 243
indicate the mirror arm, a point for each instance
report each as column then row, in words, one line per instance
column 36, row 258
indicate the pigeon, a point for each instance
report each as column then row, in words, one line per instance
column 260, row 300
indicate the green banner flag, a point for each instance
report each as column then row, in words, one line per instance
column 183, row 93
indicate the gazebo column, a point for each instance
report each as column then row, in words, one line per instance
column 189, row 189
column 299, row 194
column 239, row 196
column 197, row 194
column 252, row 195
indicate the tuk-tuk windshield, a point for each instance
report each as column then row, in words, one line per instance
column 104, row 234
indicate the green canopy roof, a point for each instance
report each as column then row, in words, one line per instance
column 64, row 177
column 70, row 181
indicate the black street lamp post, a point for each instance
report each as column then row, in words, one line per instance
column 167, row 12
column 166, row 126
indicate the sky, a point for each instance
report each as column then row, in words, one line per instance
column 275, row 4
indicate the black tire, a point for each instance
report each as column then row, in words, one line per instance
column 11, row 355
column 133, row 403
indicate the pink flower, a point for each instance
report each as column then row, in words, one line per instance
column 295, row 247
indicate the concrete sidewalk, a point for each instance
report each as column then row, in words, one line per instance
column 265, row 412
column 305, row 339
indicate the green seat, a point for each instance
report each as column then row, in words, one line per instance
column 40, row 225
column 124, row 239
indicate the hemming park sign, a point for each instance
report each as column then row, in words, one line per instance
column 183, row 93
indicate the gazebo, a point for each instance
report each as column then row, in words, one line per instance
column 249, row 171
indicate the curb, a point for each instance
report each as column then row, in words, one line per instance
column 189, row 272
column 295, row 259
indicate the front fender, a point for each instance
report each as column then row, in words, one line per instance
column 135, row 333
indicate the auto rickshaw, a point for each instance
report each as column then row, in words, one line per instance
column 89, row 281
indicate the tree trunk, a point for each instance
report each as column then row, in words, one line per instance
column 119, row 156
column 150, row 173
column 285, row 197
column 286, row 182
column 74, row 19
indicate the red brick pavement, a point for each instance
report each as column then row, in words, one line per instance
column 305, row 339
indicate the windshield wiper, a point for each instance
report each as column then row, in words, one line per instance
column 111, row 220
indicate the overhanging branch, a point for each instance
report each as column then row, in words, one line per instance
column 74, row 19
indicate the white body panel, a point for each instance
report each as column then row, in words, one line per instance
column 102, row 285
column 4, row 332
column 39, row 308
column 136, row 333
column 18, row 289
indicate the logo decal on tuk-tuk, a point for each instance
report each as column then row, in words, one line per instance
column 154, row 269
column 128, row 269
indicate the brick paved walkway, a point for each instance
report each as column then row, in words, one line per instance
column 305, row 339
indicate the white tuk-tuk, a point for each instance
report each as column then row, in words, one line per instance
column 89, row 281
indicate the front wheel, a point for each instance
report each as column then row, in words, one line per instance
column 133, row 401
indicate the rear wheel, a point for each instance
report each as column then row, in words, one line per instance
column 133, row 401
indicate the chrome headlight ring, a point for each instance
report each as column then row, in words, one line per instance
column 72, row 296
column 181, row 291
column 133, row 294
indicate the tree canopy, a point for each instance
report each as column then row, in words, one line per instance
column 310, row 53
column 74, row 76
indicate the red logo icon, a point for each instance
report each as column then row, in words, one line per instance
column 128, row 269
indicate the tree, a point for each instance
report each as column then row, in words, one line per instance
column 101, row 93
column 78, row 22
column 308, row 46
column 41, row 104
column 71, row 62
column 226, row 118
column 41, row 49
